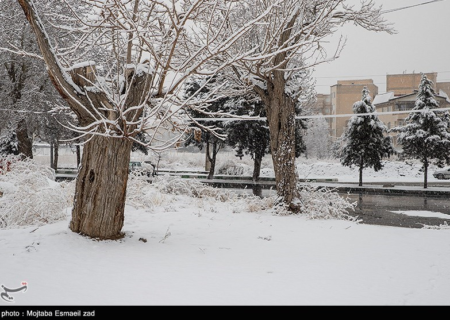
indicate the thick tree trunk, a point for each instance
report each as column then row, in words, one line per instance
column 101, row 185
column 281, row 118
column 25, row 146
column 99, row 202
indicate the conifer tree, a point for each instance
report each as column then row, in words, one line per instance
column 364, row 142
column 249, row 137
column 208, row 140
column 425, row 135
column 253, row 137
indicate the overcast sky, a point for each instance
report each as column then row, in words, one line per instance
column 422, row 44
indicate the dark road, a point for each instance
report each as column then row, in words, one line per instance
column 377, row 209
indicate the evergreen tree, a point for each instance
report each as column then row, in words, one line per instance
column 425, row 135
column 249, row 137
column 364, row 142
column 252, row 137
column 9, row 144
column 207, row 139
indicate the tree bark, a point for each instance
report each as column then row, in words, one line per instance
column 212, row 160
column 281, row 118
column 99, row 201
column 207, row 158
column 78, row 152
column 101, row 185
column 256, row 167
column 425, row 174
column 25, row 146
column 361, row 165
column 56, row 155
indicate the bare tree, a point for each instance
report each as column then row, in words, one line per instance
column 147, row 51
column 288, row 41
column 317, row 139
column 30, row 106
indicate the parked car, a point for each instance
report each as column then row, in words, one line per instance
column 443, row 173
column 145, row 167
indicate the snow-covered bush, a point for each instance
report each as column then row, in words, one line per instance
column 443, row 226
column 192, row 188
column 139, row 192
column 230, row 168
column 320, row 203
column 31, row 196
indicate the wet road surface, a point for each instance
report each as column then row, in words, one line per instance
column 377, row 209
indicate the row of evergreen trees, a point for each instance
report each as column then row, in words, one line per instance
column 249, row 137
column 424, row 137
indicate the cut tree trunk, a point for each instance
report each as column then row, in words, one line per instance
column 99, row 201
column 425, row 174
column 101, row 185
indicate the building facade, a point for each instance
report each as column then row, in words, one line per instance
column 401, row 93
column 343, row 95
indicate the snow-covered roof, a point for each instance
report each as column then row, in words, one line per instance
column 442, row 93
column 382, row 98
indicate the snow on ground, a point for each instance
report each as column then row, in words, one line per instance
column 179, row 249
column 199, row 252
column 422, row 213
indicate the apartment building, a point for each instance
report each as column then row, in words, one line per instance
column 343, row 95
column 401, row 93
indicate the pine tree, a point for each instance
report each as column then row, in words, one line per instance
column 252, row 137
column 9, row 144
column 364, row 142
column 212, row 143
column 425, row 135
column 249, row 137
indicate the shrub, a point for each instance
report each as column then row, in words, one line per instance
column 31, row 196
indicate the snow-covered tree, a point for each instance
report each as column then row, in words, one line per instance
column 252, row 137
column 318, row 139
column 287, row 43
column 425, row 135
column 365, row 143
column 145, row 51
column 9, row 144
column 30, row 105
column 249, row 137
column 201, row 137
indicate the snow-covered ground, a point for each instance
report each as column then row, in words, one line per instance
column 221, row 249
column 393, row 171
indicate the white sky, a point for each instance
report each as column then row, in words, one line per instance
column 421, row 45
